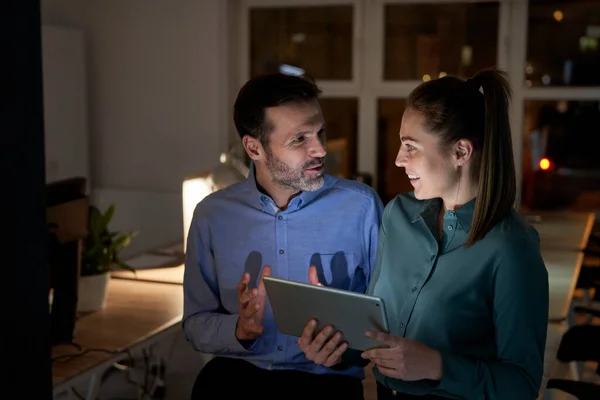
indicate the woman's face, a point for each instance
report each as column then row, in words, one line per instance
column 429, row 167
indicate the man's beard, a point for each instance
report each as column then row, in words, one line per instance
column 295, row 179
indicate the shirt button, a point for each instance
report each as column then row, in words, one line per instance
column 401, row 324
column 280, row 218
column 452, row 214
column 262, row 206
column 280, row 348
column 450, row 227
column 394, row 393
column 281, row 251
column 414, row 289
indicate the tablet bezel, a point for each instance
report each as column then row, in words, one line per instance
column 294, row 303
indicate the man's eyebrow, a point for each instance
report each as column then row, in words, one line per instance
column 408, row 138
column 306, row 132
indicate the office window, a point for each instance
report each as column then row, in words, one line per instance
column 563, row 46
column 425, row 41
column 317, row 40
column 392, row 180
column 341, row 116
column 560, row 157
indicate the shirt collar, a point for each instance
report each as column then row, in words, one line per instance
column 430, row 208
column 465, row 215
column 260, row 199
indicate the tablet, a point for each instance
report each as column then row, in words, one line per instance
column 296, row 303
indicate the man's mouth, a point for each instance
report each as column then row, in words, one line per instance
column 315, row 168
column 413, row 177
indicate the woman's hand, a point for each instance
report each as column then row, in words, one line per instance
column 404, row 358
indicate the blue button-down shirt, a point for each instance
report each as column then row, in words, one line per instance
column 239, row 229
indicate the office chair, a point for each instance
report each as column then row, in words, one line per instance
column 589, row 276
column 579, row 344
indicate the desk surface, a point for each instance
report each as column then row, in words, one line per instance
column 156, row 307
column 563, row 272
column 564, row 230
column 562, row 236
column 160, row 275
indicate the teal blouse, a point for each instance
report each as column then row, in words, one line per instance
column 483, row 307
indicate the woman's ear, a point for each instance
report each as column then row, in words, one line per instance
column 253, row 147
column 463, row 151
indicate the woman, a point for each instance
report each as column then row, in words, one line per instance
column 460, row 272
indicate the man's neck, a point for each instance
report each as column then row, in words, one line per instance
column 281, row 196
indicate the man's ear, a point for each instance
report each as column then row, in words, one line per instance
column 253, row 148
column 463, row 151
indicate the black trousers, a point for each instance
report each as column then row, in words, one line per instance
column 383, row 393
column 223, row 378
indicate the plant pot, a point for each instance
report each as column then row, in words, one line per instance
column 92, row 292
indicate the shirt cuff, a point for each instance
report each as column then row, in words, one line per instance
column 228, row 327
column 459, row 374
column 350, row 358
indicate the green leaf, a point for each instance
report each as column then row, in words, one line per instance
column 108, row 215
column 96, row 223
column 101, row 246
column 125, row 266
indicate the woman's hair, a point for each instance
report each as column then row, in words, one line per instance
column 478, row 110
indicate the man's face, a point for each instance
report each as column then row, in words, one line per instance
column 295, row 154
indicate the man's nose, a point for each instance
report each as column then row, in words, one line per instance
column 317, row 149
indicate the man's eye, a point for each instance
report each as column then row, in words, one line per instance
column 299, row 139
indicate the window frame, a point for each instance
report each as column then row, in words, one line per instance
column 367, row 83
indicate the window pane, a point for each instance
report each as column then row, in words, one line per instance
column 563, row 43
column 567, row 135
column 341, row 116
column 433, row 39
column 392, row 180
column 317, row 40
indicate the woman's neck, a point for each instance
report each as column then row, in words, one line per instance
column 463, row 192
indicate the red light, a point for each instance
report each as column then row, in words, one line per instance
column 545, row 164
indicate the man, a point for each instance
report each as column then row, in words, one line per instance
column 286, row 217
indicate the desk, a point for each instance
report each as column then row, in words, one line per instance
column 563, row 236
column 172, row 275
column 564, row 230
column 563, row 271
column 136, row 315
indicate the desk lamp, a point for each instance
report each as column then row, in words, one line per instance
column 230, row 170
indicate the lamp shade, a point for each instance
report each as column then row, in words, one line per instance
column 194, row 189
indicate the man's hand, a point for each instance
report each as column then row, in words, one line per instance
column 313, row 277
column 327, row 347
column 251, row 307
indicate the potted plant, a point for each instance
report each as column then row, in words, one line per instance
column 99, row 257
